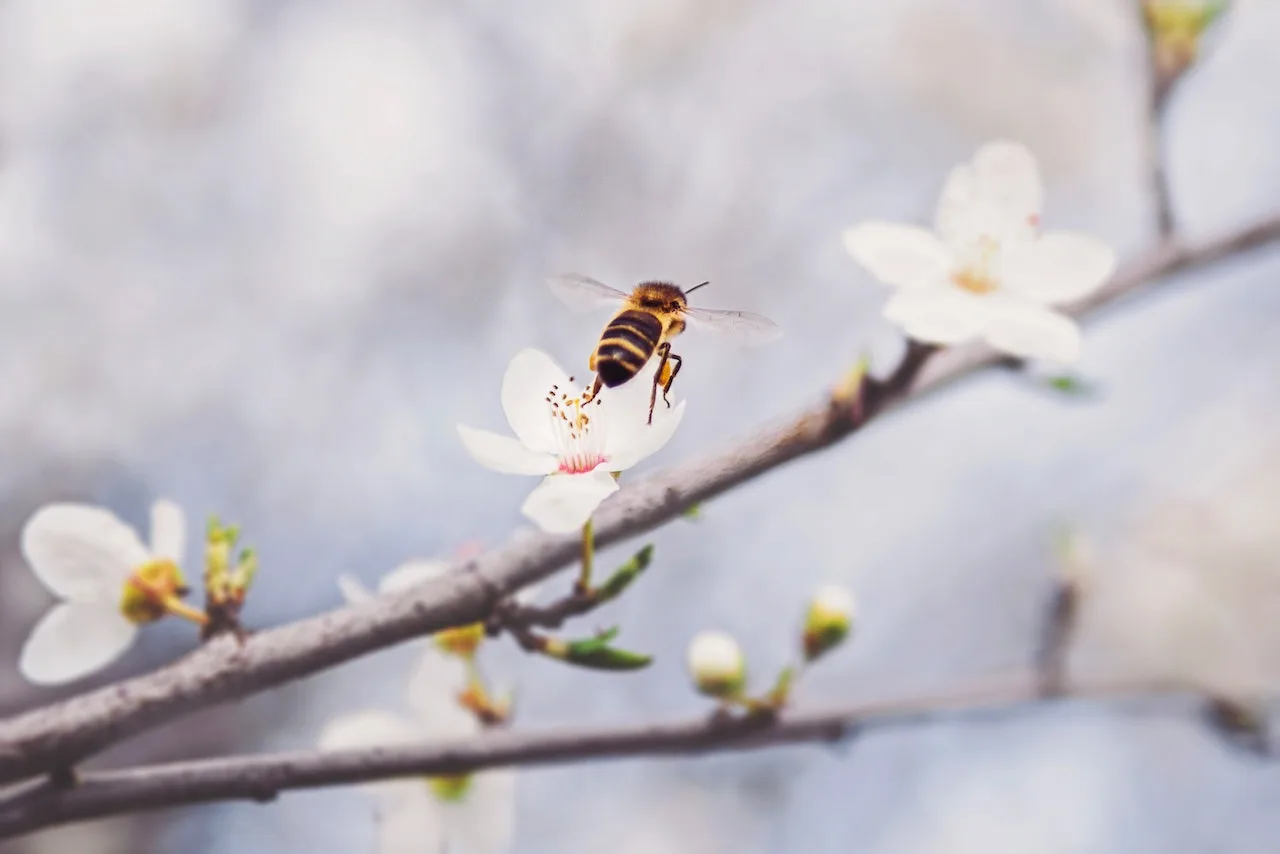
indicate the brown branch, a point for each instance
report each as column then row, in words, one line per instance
column 60, row 735
column 262, row 778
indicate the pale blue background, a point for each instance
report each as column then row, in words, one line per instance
column 260, row 257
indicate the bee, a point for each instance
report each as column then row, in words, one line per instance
column 650, row 316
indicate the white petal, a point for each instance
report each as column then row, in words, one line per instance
column 353, row 590
column 410, row 823
column 433, row 690
column 1029, row 331
column 564, row 502
column 938, row 315
column 80, row 552
column 484, row 821
column 504, row 454
column 997, row 195
column 900, row 255
column 411, row 573
column 643, row 439
column 1057, row 268
column 168, row 530
column 525, row 385
column 369, row 728
column 73, row 640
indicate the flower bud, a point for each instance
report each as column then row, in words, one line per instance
column 717, row 665
column 828, row 620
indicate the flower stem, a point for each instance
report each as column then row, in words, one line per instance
column 175, row 606
column 588, row 558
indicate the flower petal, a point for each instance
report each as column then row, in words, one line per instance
column 411, row 573
column 899, row 255
column 410, row 823
column 484, row 820
column 168, row 530
column 525, row 385
column 368, row 728
column 1057, row 268
column 73, row 640
column 433, row 690
column 938, row 315
column 1029, row 331
column 504, row 454
column 353, row 590
column 81, row 553
column 564, row 502
column 997, row 195
column 643, row 439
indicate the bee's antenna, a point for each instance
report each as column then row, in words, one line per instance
column 695, row 287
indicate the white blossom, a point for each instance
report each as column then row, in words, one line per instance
column 467, row 814
column 95, row 563
column 987, row 272
column 576, row 443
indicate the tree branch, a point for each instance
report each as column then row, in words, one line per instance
column 262, row 778
column 55, row 737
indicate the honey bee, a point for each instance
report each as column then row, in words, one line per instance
column 650, row 316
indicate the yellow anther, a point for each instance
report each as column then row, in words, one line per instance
column 461, row 641
column 450, row 788
column 150, row 591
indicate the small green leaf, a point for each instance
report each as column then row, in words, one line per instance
column 781, row 690
column 693, row 513
column 596, row 654
column 607, row 658
column 625, row 574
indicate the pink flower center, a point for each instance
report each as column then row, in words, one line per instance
column 580, row 440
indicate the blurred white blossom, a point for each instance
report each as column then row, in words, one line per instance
column 577, row 443
column 466, row 813
column 1191, row 589
column 108, row 581
column 987, row 273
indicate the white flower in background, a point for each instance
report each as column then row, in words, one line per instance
column 462, row 640
column 987, row 273
column 108, row 581
column 717, row 665
column 576, row 444
column 466, row 813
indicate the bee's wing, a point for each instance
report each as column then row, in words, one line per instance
column 742, row 326
column 583, row 293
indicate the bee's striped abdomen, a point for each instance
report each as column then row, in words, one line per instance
column 625, row 345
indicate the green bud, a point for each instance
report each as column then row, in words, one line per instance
column 595, row 653
column 828, row 621
column 717, row 665
column 625, row 574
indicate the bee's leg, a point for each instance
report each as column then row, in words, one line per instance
column 664, row 352
column 674, row 364
column 595, row 388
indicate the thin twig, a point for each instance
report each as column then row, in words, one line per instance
column 1159, row 88
column 262, row 778
column 63, row 733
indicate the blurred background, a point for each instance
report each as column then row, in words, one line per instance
column 260, row 256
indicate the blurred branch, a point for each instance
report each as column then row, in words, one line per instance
column 1159, row 86
column 262, row 778
column 55, row 737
